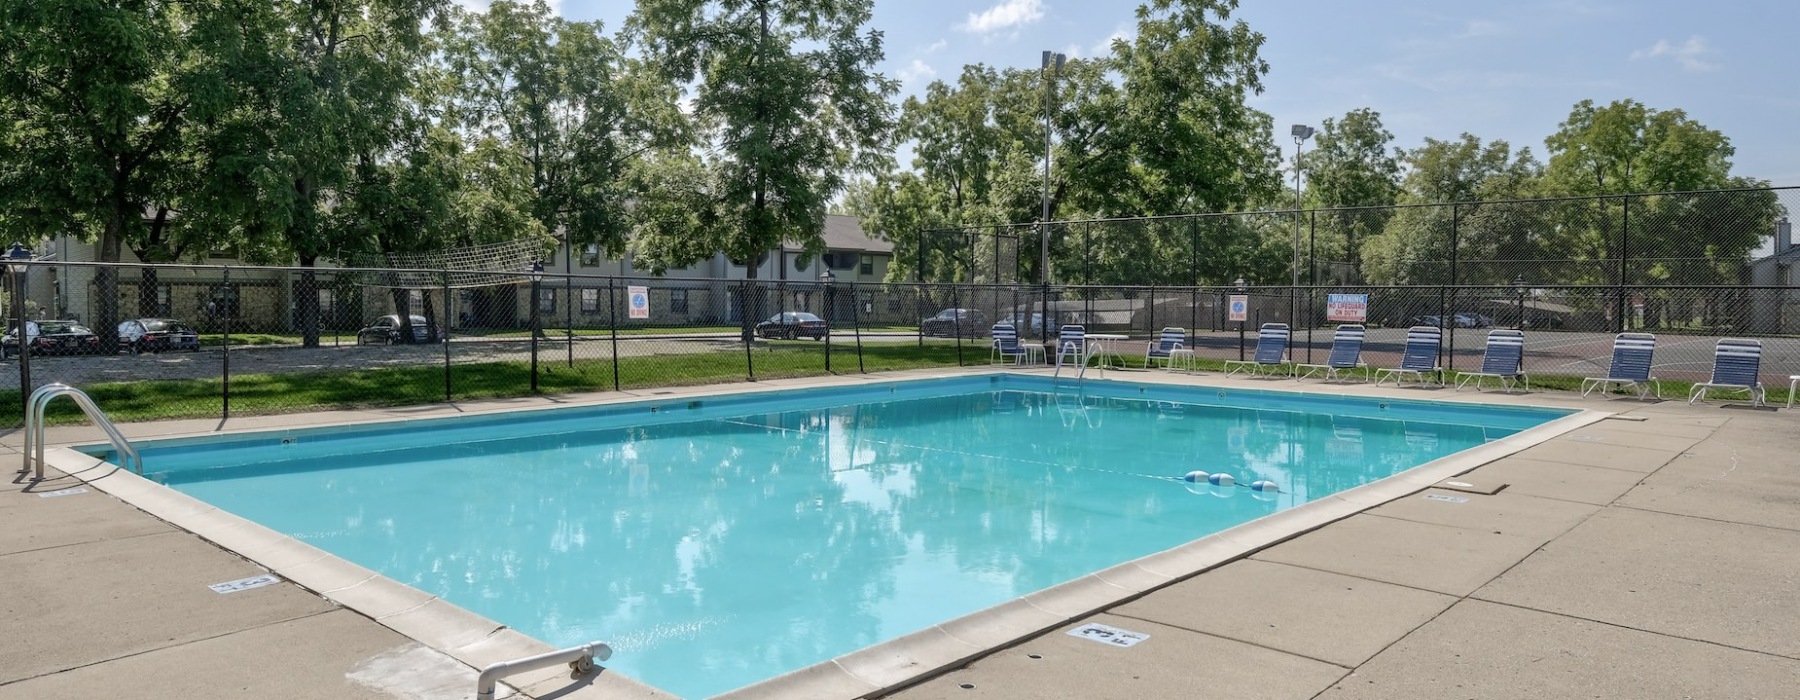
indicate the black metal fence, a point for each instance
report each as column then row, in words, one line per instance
column 194, row 341
column 1678, row 239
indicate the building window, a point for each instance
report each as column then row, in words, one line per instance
column 328, row 306
column 416, row 298
column 547, row 300
column 678, row 301
column 868, row 265
column 590, row 301
column 590, row 255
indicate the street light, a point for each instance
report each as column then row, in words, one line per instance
column 17, row 261
column 537, row 277
column 1519, row 290
column 1240, row 290
column 1301, row 133
column 1051, row 69
column 826, row 278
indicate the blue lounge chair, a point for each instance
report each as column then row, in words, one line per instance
column 1271, row 346
column 1071, row 343
column 1736, row 363
column 1630, row 369
column 1168, row 348
column 1504, row 360
column 1346, row 354
column 1419, row 357
column 1007, row 346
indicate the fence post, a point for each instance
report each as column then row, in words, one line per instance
column 827, row 292
column 749, row 330
column 1312, row 277
column 1445, row 294
column 1624, row 255
column 956, row 321
column 18, row 280
column 612, row 325
column 225, row 375
column 856, row 322
column 447, row 323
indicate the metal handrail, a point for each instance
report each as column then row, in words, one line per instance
column 34, row 427
column 580, row 660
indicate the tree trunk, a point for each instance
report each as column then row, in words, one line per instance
column 431, row 318
column 148, row 282
column 403, row 307
column 306, row 302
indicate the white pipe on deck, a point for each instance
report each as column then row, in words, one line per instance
column 580, row 658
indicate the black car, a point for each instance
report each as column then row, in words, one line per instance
column 51, row 338
column 386, row 331
column 951, row 323
column 791, row 325
column 157, row 335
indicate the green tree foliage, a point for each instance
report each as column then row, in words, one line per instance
column 1353, row 164
column 1414, row 246
column 561, row 102
column 789, row 104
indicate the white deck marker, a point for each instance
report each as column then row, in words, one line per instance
column 1106, row 634
column 244, row 584
column 63, row 492
column 1444, row 498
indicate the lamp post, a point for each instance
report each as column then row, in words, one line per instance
column 17, row 260
column 1052, row 68
column 1301, row 133
column 1519, row 290
column 825, row 279
column 1240, row 290
column 537, row 278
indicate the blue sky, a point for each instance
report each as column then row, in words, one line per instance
column 1498, row 70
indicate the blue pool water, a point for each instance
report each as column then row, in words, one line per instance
column 723, row 541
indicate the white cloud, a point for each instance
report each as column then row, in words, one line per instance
column 936, row 46
column 1104, row 46
column 1692, row 55
column 916, row 72
column 1009, row 14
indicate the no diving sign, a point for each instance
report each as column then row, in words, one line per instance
column 1240, row 307
column 639, row 298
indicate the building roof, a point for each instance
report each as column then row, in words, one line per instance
column 1786, row 257
column 846, row 233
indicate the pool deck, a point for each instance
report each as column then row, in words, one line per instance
column 1649, row 554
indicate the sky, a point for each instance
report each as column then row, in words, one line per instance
column 1432, row 68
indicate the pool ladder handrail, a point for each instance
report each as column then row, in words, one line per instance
column 34, row 428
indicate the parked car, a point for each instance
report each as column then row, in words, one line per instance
column 386, row 331
column 791, row 325
column 950, row 323
column 1437, row 321
column 157, row 335
column 1472, row 320
column 51, row 338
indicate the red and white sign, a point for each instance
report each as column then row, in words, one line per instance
column 1347, row 307
column 639, row 301
column 1240, row 307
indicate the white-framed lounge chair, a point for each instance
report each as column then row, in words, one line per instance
column 1007, row 346
column 1630, row 369
column 1736, row 363
column 1503, row 360
column 1071, row 344
column 1271, row 348
column 1346, row 354
column 1419, row 356
column 1170, row 348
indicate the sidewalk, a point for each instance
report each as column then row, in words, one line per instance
column 1649, row 556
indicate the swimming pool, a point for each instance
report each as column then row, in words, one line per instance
column 720, row 541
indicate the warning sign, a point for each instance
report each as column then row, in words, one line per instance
column 1240, row 307
column 639, row 298
column 1347, row 307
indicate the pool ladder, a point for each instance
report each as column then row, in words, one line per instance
column 34, row 428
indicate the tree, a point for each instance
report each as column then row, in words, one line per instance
column 101, row 100
column 1351, row 165
column 563, row 98
column 1414, row 246
column 789, row 103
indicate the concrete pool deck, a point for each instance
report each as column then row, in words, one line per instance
column 1646, row 555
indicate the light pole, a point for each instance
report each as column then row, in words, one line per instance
column 1052, row 68
column 1301, row 133
column 1240, row 290
column 825, row 279
column 537, row 277
column 1519, row 290
column 17, row 260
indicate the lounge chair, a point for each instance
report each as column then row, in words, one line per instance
column 1170, row 347
column 1736, row 363
column 1071, row 343
column 1346, row 353
column 1630, row 369
column 1271, row 345
column 1503, row 360
column 1419, row 357
column 1007, row 345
